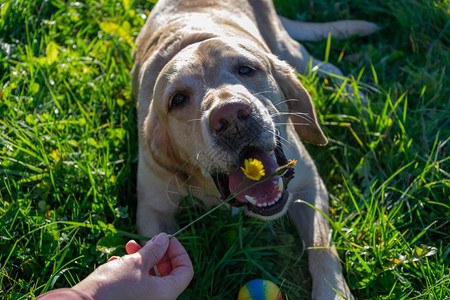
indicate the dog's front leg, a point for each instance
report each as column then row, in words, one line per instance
column 313, row 227
column 151, row 221
column 155, row 209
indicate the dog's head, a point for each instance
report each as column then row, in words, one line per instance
column 220, row 102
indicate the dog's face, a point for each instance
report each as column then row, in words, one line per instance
column 220, row 102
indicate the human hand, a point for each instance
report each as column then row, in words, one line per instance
column 164, row 266
column 130, row 276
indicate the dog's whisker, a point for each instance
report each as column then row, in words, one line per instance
column 290, row 113
column 193, row 157
column 262, row 92
column 294, row 123
column 282, row 139
column 303, row 116
column 194, row 120
column 286, row 101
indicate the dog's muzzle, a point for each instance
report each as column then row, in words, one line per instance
column 266, row 196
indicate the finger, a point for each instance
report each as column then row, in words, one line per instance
column 164, row 267
column 183, row 271
column 154, row 250
column 177, row 280
column 112, row 258
column 132, row 247
column 177, row 254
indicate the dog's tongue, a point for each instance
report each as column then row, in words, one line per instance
column 262, row 192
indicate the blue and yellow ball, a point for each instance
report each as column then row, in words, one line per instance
column 260, row 289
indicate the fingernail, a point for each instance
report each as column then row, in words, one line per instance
column 161, row 239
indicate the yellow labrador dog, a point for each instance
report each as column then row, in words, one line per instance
column 216, row 86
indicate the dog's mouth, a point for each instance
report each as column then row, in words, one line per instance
column 266, row 196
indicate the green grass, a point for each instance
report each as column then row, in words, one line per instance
column 68, row 148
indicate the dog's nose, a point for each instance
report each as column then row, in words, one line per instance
column 229, row 113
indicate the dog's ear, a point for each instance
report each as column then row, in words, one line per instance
column 159, row 144
column 301, row 107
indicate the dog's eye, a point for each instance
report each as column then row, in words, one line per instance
column 246, row 70
column 177, row 100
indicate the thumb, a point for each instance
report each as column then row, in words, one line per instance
column 154, row 250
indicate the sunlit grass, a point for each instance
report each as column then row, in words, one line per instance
column 68, row 148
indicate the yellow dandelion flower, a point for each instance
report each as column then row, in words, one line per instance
column 254, row 169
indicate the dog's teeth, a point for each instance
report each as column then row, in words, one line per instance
column 272, row 203
column 265, row 204
column 278, row 197
column 259, row 205
column 280, row 185
column 250, row 199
